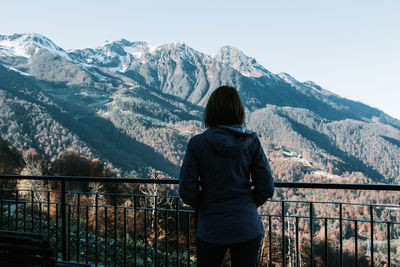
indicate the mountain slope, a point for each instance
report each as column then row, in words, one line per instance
column 135, row 106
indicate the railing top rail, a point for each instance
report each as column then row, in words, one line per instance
column 93, row 179
column 354, row 186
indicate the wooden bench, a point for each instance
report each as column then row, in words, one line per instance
column 21, row 249
column 25, row 249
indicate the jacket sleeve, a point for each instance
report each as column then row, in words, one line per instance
column 261, row 176
column 189, row 189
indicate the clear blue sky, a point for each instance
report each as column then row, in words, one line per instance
column 349, row 47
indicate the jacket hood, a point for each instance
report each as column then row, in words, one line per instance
column 229, row 141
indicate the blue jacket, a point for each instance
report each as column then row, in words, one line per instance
column 215, row 179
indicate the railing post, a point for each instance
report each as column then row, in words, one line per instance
column 283, row 234
column 388, row 244
column 145, row 237
column 311, row 234
column 1, row 206
column 341, row 233
column 326, row 242
column 64, row 221
column 155, row 231
column 177, row 230
column 356, row 243
column 188, row 241
column 32, row 212
column 115, row 230
column 297, row 242
column 270, row 239
column 125, row 233
column 134, row 231
column 16, row 209
column 78, row 221
column 96, row 229
column 166, row 238
column 371, row 210
column 48, row 214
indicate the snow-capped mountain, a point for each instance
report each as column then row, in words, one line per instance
column 27, row 45
column 165, row 67
column 115, row 56
column 135, row 106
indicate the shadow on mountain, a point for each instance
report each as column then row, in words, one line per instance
column 391, row 140
column 118, row 148
column 323, row 142
column 134, row 75
column 99, row 133
column 362, row 111
column 165, row 102
column 282, row 94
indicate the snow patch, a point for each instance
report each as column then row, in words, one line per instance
column 16, row 70
column 26, row 45
column 152, row 48
column 133, row 51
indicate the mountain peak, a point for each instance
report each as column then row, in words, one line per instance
column 288, row 78
column 123, row 47
column 181, row 51
column 33, row 37
column 237, row 60
column 122, row 42
column 176, row 46
column 28, row 44
column 228, row 53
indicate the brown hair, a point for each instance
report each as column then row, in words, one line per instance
column 224, row 107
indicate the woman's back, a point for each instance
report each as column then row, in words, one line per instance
column 224, row 157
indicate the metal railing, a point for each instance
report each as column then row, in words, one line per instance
column 136, row 229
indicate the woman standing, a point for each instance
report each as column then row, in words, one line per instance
column 225, row 176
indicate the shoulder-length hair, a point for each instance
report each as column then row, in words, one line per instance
column 224, row 107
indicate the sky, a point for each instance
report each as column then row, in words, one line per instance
column 351, row 48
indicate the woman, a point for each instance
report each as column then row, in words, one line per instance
column 225, row 176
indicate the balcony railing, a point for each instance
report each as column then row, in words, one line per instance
column 140, row 227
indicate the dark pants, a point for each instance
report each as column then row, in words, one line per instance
column 242, row 254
